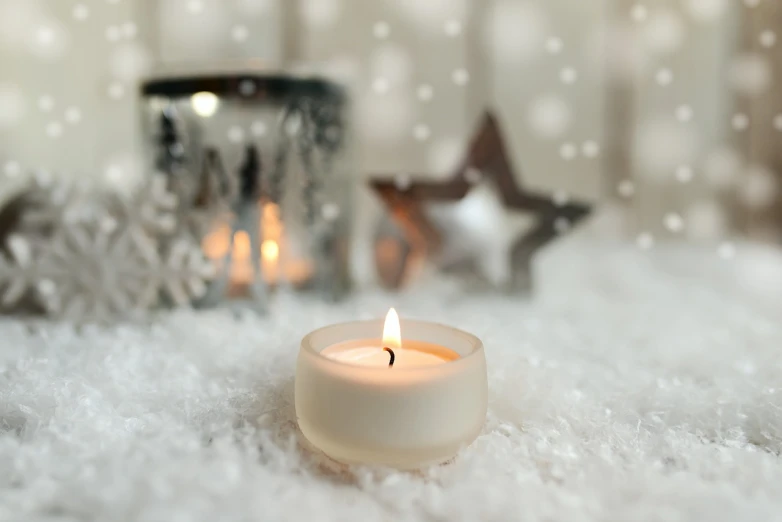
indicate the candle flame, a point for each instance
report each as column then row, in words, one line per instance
column 218, row 244
column 392, row 335
column 270, row 250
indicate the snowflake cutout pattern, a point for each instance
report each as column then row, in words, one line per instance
column 86, row 256
column 96, row 271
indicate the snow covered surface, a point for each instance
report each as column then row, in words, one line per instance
column 637, row 385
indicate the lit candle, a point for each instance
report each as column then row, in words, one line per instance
column 390, row 352
column 218, row 243
column 401, row 403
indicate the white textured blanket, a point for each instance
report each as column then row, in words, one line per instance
column 635, row 386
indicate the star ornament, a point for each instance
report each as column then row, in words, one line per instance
column 479, row 222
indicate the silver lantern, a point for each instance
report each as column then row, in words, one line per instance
column 260, row 171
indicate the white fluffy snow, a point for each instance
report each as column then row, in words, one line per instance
column 637, row 385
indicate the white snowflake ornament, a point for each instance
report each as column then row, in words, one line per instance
column 88, row 256
column 95, row 271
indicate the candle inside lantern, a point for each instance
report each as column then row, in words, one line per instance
column 390, row 352
column 359, row 405
column 218, row 243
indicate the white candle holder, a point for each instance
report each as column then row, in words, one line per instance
column 402, row 417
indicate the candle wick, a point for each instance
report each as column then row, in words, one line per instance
column 391, row 352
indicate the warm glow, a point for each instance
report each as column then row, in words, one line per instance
column 241, row 265
column 241, row 245
column 218, row 243
column 271, row 217
column 204, row 103
column 392, row 335
column 270, row 250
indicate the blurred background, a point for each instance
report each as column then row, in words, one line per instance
column 666, row 113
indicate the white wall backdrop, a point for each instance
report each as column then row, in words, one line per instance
column 67, row 100
column 420, row 72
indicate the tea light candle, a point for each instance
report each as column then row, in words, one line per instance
column 404, row 404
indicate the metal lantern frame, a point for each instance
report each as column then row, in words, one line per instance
column 311, row 122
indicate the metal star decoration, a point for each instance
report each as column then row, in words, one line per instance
column 483, row 181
